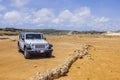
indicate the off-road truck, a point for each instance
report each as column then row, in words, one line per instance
column 33, row 43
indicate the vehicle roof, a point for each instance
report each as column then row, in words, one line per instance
column 30, row 33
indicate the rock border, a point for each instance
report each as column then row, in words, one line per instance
column 63, row 68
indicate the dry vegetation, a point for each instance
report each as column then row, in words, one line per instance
column 101, row 64
column 2, row 33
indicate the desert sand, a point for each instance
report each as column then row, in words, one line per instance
column 102, row 63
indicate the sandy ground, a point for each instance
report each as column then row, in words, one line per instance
column 103, row 64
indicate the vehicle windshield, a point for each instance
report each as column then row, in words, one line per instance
column 34, row 36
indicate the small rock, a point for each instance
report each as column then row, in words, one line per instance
column 35, row 66
column 78, row 67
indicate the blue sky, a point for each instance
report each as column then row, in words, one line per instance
column 61, row 14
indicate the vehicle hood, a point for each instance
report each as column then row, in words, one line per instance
column 42, row 41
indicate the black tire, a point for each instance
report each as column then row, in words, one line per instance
column 26, row 54
column 49, row 54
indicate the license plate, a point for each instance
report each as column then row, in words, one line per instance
column 41, row 51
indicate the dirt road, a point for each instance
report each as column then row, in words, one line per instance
column 103, row 64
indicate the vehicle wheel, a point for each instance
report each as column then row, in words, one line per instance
column 19, row 48
column 49, row 54
column 26, row 54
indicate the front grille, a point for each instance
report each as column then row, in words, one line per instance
column 39, row 45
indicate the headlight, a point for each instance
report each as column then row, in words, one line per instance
column 32, row 44
column 28, row 46
column 49, row 46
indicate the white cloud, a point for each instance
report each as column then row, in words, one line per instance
column 63, row 17
column 83, row 11
column 102, row 19
column 2, row 7
column 81, row 16
column 43, row 15
column 20, row 3
column 15, row 17
column 76, row 19
column 0, row 18
column 12, row 17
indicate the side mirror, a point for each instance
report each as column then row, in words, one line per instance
column 44, row 38
column 51, row 45
column 23, row 39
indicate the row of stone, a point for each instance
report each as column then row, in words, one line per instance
column 63, row 68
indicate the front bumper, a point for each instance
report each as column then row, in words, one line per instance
column 40, row 51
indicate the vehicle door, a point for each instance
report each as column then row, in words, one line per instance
column 22, row 41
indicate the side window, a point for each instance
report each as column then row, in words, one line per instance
column 22, row 37
column 42, row 36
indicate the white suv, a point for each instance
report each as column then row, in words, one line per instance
column 33, row 43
